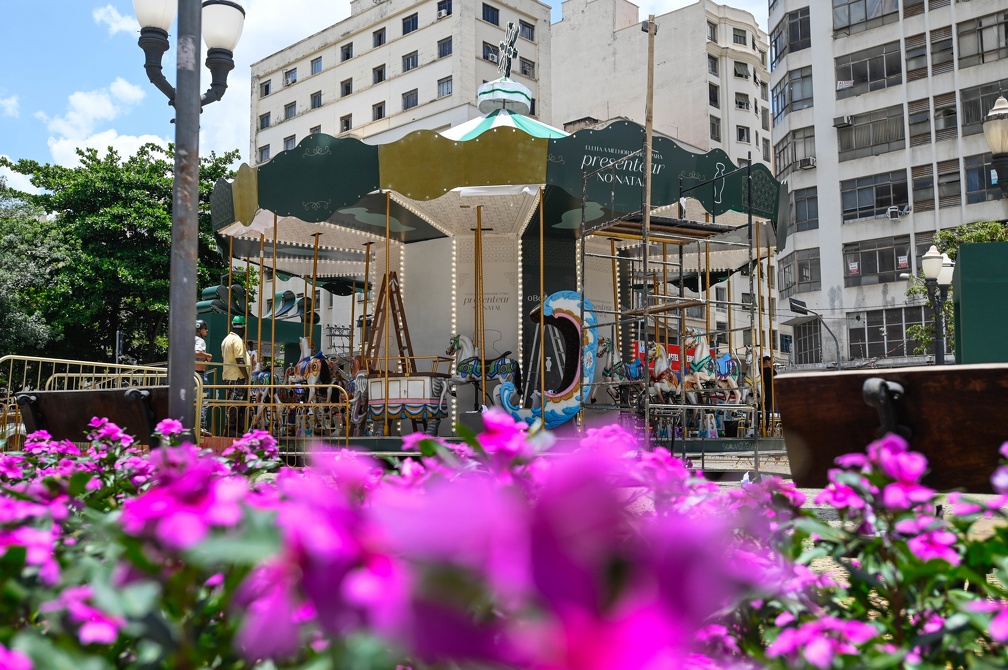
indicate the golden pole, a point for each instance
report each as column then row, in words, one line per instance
column 542, row 312
column 665, row 318
column 759, row 305
column 262, row 284
column 314, row 282
column 770, row 315
column 707, row 292
column 353, row 308
column 388, row 218
column 272, row 398
column 230, row 280
column 731, row 309
column 248, row 280
column 480, row 308
column 615, row 290
column 367, row 292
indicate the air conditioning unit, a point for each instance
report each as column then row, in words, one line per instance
column 843, row 121
column 806, row 163
column 492, row 58
column 441, row 13
column 893, row 213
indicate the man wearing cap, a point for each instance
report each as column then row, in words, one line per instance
column 236, row 375
column 202, row 357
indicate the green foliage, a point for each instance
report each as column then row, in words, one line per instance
column 115, row 214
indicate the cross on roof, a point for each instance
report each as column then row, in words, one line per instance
column 508, row 51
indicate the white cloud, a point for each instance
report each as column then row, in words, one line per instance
column 9, row 106
column 64, row 149
column 16, row 180
column 116, row 22
column 268, row 28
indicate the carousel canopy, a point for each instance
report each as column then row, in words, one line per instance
column 501, row 118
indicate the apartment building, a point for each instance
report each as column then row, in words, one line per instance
column 392, row 67
column 877, row 109
column 711, row 91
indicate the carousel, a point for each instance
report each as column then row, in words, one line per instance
column 503, row 255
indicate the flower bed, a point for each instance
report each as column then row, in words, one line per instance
column 481, row 555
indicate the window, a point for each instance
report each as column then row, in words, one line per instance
column 378, row 37
column 785, row 344
column 491, row 14
column 712, row 65
column 808, row 343
column 316, row 65
column 872, row 133
column 981, row 182
column 444, row 87
column 869, row 70
column 410, row 99
column 946, row 117
column 949, row 184
column 882, row 333
column 490, row 52
column 764, row 91
column 290, row 142
column 765, row 118
column 872, row 195
column 766, row 149
column 923, row 188
column 975, row 103
column 742, row 134
column 526, row 30
column 796, row 145
column 290, row 110
column 444, row 47
column 346, row 87
column 713, row 95
column 942, row 59
column 527, row 67
column 264, row 154
column 410, row 23
column 721, row 297
column 265, row 88
column 792, row 93
column 264, row 120
column 983, row 40
column 378, row 74
column 532, row 107
column 290, row 76
column 346, row 52
column 377, row 111
column 799, row 272
column 919, row 119
column 712, row 32
column 345, row 123
column 876, row 261
column 913, row 8
column 793, row 33
column 316, row 99
column 804, row 209
column 315, row 130
column 852, row 16
column 738, row 36
column 916, row 57
column 410, row 61
column 742, row 101
column 444, row 8
column 741, row 70
column 715, row 128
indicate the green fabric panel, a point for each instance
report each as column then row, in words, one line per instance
column 424, row 165
column 222, row 211
column 619, row 190
column 533, row 127
column 318, row 177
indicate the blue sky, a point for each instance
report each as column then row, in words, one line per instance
column 74, row 74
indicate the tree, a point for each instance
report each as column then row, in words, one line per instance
column 947, row 242
column 33, row 254
column 116, row 213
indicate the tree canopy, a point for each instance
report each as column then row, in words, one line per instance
column 113, row 216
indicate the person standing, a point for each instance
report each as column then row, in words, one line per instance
column 236, row 376
column 202, row 358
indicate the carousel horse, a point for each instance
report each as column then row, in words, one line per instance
column 617, row 370
column 722, row 372
column 358, row 404
column 322, row 378
column 664, row 380
column 468, row 371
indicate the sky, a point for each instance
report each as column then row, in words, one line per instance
column 75, row 76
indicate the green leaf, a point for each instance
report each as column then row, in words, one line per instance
column 45, row 654
column 78, row 482
column 256, row 544
column 823, row 530
column 13, row 562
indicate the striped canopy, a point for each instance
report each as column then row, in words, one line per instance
column 501, row 118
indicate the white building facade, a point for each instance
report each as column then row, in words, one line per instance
column 877, row 112
column 711, row 91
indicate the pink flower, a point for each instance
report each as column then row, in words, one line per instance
column 840, row 496
column 938, row 544
column 999, row 480
column 14, row 660
column 906, row 467
column 106, row 431
column 96, row 627
column 273, row 613
column 904, row 496
column 819, row 641
column 890, row 444
column 169, row 427
column 999, row 626
column 503, row 435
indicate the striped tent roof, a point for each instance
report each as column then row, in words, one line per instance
column 501, row 118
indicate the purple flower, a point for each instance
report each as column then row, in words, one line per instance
column 904, row 496
column 840, row 496
column 14, row 660
column 906, row 467
column 819, row 641
column 938, row 544
column 96, row 627
column 999, row 626
column 999, row 480
column 271, row 625
column 106, row 431
column 169, row 427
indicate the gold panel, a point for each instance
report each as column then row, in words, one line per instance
column 424, row 165
column 245, row 193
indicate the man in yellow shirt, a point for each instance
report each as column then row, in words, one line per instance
column 236, row 375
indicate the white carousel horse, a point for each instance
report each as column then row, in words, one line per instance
column 616, row 370
column 722, row 371
column 358, row 403
column 322, row 377
column 468, row 370
column 664, row 380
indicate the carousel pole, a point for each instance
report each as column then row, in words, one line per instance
column 615, row 290
column 707, row 290
column 367, row 291
column 314, row 282
column 305, row 303
column 758, row 298
column 479, row 303
column 262, row 285
column 770, row 315
column 664, row 257
column 353, row 309
column 731, row 309
column 272, row 398
column 542, row 312
column 230, row 276
column 652, row 28
column 388, row 218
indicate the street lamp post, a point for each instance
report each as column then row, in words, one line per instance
column 937, row 269
column 224, row 20
column 996, row 131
